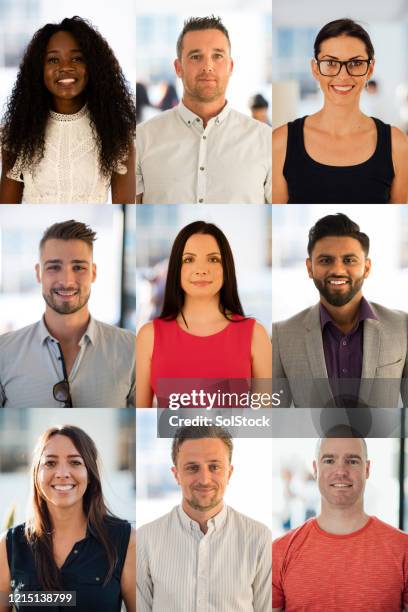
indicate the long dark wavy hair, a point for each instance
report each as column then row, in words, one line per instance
column 38, row 529
column 107, row 94
column 174, row 295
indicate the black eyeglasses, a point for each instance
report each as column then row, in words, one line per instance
column 61, row 390
column 354, row 67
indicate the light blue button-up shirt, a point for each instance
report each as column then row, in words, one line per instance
column 102, row 376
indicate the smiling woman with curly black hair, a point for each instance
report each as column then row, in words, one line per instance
column 69, row 128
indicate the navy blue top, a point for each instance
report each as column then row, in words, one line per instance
column 83, row 571
column 310, row 182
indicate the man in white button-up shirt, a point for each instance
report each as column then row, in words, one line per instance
column 67, row 359
column 203, row 556
column 203, row 151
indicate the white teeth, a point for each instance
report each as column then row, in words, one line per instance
column 343, row 87
column 341, row 485
column 63, row 487
column 66, row 81
column 61, row 292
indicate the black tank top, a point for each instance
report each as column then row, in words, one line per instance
column 310, row 182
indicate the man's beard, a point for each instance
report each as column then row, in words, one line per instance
column 338, row 298
column 65, row 308
column 197, row 92
column 213, row 502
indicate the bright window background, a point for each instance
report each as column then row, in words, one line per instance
column 295, row 493
column 19, row 20
column 21, row 228
column 157, row 227
column 113, row 432
column 295, row 26
column 387, row 228
column 158, row 25
column 249, row 490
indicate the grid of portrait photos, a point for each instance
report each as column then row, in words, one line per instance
column 203, row 306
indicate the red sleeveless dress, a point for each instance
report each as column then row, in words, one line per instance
column 178, row 355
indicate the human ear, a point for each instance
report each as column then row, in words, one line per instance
column 38, row 272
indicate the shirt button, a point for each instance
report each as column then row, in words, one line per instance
column 201, row 168
column 75, row 552
column 204, row 137
column 97, row 579
column 344, row 342
column 198, row 120
column 344, row 370
column 201, row 200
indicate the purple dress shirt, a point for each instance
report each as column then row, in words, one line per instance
column 343, row 353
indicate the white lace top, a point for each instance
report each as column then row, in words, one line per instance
column 69, row 171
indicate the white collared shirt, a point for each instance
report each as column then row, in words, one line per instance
column 102, row 376
column 178, row 161
column 181, row 569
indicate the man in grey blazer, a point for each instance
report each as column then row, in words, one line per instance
column 344, row 351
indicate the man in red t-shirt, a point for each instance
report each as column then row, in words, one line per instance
column 343, row 560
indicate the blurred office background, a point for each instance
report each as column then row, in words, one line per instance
column 19, row 20
column 158, row 25
column 248, row 230
column 113, row 432
column 387, row 228
column 295, row 26
column 296, row 496
column 249, row 491
column 113, row 297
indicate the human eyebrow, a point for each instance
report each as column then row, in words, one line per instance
column 52, row 261
column 79, row 261
column 193, row 51
column 214, row 253
column 327, row 456
column 59, row 51
column 188, row 253
column 69, row 456
column 333, row 57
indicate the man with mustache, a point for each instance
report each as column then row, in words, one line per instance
column 203, row 555
column 203, row 151
column 343, row 351
column 68, row 358
column 343, row 559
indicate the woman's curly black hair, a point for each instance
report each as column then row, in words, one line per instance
column 110, row 103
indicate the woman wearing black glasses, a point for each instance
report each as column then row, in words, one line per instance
column 340, row 155
column 70, row 542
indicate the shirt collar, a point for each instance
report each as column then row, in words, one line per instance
column 365, row 312
column 216, row 521
column 90, row 333
column 190, row 118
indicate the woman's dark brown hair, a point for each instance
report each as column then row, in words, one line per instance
column 39, row 527
column 174, row 294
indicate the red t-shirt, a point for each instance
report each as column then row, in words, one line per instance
column 364, row 571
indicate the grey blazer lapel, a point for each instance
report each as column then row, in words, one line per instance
column 315, row 353
column 314, row 343
column 371, row 354
column 371, row 348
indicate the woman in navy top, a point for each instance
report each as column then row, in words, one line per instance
column 70, row 541
column 339, row 155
